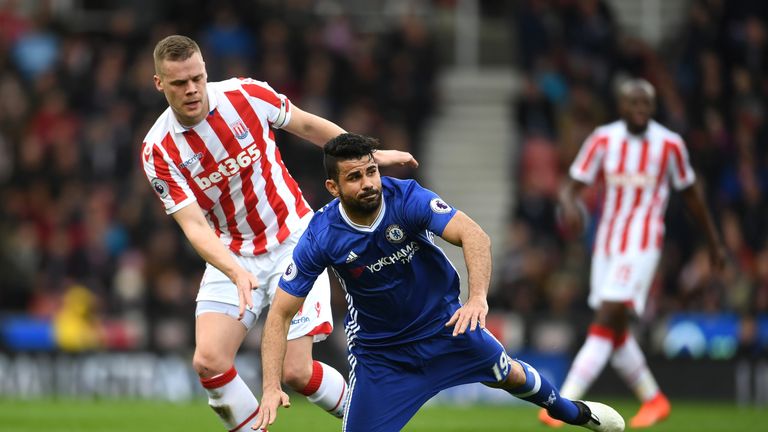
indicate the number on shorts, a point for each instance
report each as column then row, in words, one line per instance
column 623, row 273
column 501, row 369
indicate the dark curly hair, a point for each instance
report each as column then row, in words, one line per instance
column 345, row 147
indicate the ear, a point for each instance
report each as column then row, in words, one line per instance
column 332, row 187
column 158, row 83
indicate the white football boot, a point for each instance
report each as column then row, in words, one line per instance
column 600, row 417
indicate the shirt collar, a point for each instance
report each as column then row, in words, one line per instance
column 365, row 228
column 641, row 136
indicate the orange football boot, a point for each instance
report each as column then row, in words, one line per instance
column 651, row 412
column 549, row 421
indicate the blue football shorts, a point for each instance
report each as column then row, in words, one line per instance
column 388, row 385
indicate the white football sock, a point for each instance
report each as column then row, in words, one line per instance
column 327, row 389
column 231, row 399
column 628, row 360
column 589, row 362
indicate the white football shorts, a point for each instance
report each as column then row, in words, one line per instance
column 623, row 278
column 313, row 319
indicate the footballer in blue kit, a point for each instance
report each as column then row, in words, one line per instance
column 408, row 333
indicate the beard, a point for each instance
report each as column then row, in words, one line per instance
column 364, row 204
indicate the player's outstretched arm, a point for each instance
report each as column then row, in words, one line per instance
column 694, row 200
column 213, row 251
column 569, row 213
column 273, row 344
column 319, row 131
column 395, row 158
column 464, row 232
column 312, row 128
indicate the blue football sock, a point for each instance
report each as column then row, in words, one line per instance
column 542, row 393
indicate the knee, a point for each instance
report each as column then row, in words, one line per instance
column 209, row 363
column 516, row 376
column 296, row 374
column 514, row 380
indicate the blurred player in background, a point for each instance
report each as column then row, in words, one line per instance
column 212, row 159
column 639, row 159
column 406, row 328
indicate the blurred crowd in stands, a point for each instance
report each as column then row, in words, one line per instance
column 82, row 236
column 711, row 82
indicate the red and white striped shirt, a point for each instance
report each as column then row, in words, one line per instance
column 229, row 163
column 637, row 171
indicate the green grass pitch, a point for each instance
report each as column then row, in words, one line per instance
column 142, row 416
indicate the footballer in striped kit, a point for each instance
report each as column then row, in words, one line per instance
column 640, row 162
column 212, row 159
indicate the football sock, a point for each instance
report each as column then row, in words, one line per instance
column 541, row 392
column 231, row 399
column 589, row 362
column 628, row 360
column 327, row 389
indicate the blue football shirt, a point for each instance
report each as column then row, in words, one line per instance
column 400, row 286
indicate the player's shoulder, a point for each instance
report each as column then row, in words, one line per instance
column 219, row 88
column 226, row 85
column 665, row 134
column 239, row 83
column 253, row 88
column 324, row 218
column 162, row 127
column 608, row 129
column 399, row 186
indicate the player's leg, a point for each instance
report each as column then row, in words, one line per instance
column 628, row 359
column 217, row 339
column 525, row 382
column 218, row 336
column 598, row 346
column 477, row 356
column 387, row 388
column 323, row 385
column 610, row 319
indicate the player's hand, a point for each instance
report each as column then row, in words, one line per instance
column 571, row 216
column 245, row 282
column 271, row 400
column 472, row 313
column 395, row 158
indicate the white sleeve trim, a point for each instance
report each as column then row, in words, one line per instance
column 581, row 176
column 180, row 205
column 685, row 184
column 284, row 116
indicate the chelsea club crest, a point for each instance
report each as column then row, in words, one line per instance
column 394, row 234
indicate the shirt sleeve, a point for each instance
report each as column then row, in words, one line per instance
column 679, row 168
column 424, row 209
column 166, row 180
column 307, row 264
column 587, row 163
column 276, row 106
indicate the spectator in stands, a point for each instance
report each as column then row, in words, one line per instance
column 68, row 125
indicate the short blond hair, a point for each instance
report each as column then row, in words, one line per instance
column 174, row 48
